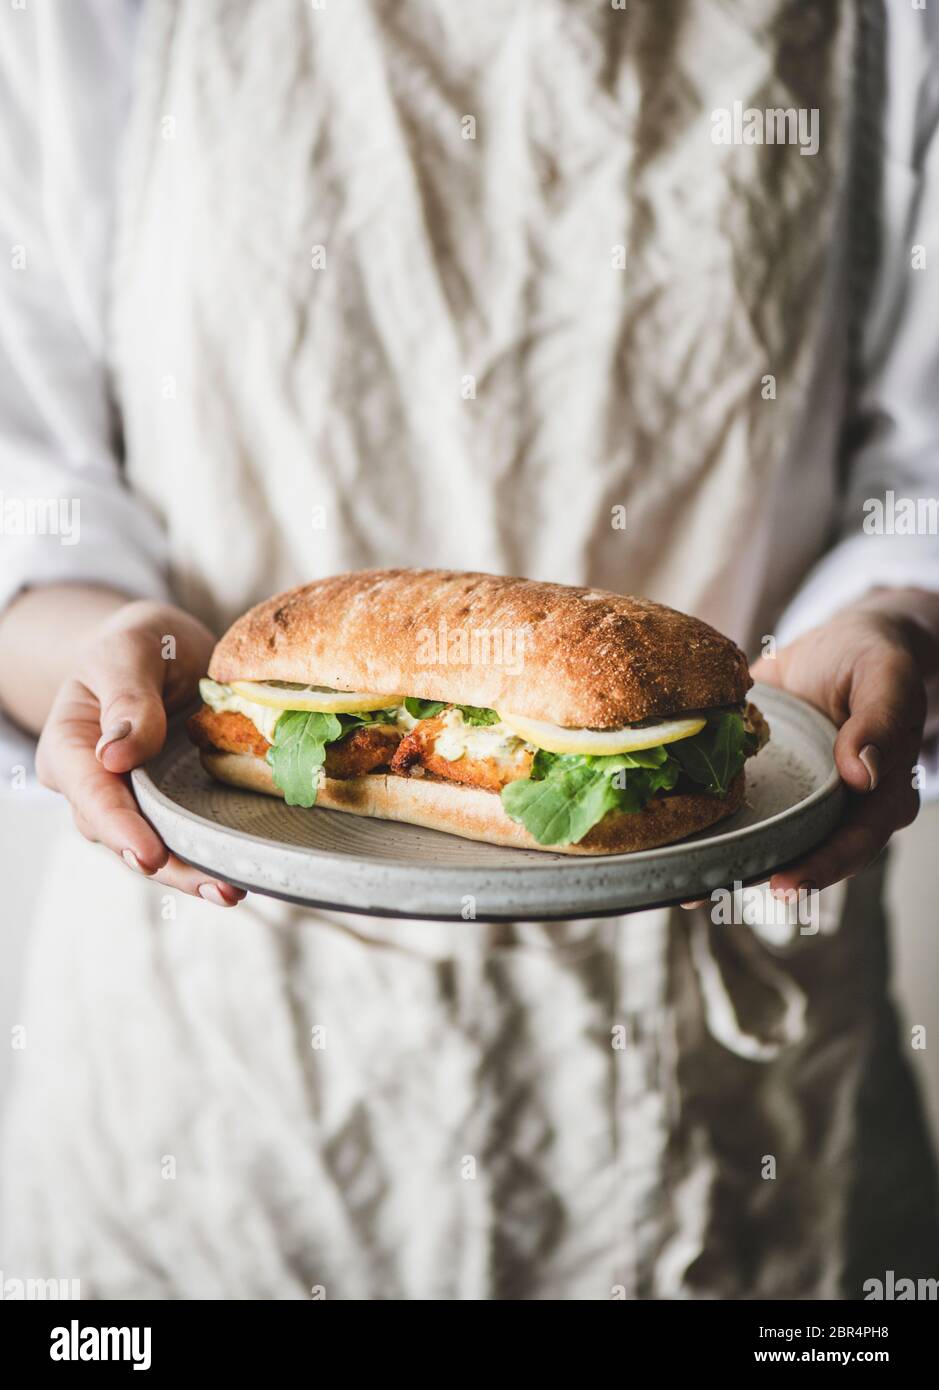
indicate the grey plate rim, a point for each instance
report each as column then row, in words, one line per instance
column 820, row 807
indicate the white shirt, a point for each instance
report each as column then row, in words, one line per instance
column 64, row 78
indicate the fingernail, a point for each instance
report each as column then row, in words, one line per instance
column 698, row 902
column 870, row 757
column 132, row 862
column 114, row 734
column 213, row 894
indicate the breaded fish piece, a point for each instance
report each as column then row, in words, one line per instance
column 416, row 750
column 363, row 750
column 231, row 732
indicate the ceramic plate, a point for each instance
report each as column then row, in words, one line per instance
column 354, row 864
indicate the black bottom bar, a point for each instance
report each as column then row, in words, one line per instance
column 164, row 1339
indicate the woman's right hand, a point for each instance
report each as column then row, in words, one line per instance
column 109, row 716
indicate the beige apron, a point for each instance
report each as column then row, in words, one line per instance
column 422, row 283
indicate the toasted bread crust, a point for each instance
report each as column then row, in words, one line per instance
column 478, row 815
column 588, row 659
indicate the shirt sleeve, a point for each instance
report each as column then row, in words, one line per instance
column 66, row 514
column 892, row 477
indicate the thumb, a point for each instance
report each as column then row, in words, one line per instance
column 126, row 674
column 766, row 669
column 887, row 709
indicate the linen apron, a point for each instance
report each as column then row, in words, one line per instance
column 427, row 284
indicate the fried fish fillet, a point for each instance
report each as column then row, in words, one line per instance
column 231, row 732
column 363, row 750
column 417, row 750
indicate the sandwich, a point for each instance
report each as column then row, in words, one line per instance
column 506, row 710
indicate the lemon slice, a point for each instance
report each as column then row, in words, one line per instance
column 598, row 743
column 317, row 698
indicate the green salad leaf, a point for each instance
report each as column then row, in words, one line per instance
column 476, row 715
column 299, row 748
column 372, row 716
column 565, row 796
column 299, row 751
column 637, row 781
column 559, row 808
column 423, row 709
column 427, row 709
column 715, row 755
column 541, row 764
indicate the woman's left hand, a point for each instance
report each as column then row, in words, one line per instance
column 865, row 669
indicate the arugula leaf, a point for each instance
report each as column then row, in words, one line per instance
column 423, row 709
column 644, row 782
column 542, row 763
column 715, row 755
column 299, row 751
column 567, row 795
column 477, row 716
column 427, row 709
column 644, row 757
column 560, row 808
column 372, row 716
